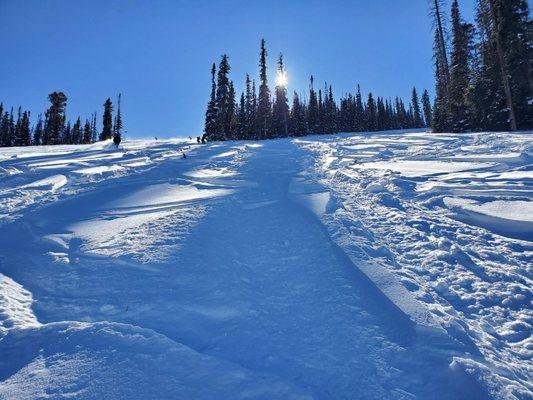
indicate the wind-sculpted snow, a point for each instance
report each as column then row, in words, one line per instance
column 279, row 269
column 450, row 217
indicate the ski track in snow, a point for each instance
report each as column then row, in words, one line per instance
column 392, row 265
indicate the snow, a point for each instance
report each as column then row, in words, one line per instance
column 391, row 265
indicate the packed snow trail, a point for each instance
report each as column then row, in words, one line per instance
column 218, row 286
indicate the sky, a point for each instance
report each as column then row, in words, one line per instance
column 158, row 53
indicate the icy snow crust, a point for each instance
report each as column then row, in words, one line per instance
column 331, row 267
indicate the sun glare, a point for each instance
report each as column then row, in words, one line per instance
column 281, row 79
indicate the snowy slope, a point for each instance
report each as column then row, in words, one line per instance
column 279, row 269
column 451, row 217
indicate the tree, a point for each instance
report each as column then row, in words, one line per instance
column 55, row 118
column 312, row 109
column 264, row 107
column 371, row 113
column 117, row 134
column 297, row 119
column 417, row 116
column 359, row 112
column 76, row 133
column 211, row 112
column 107, row 121
column 280, row 111
column 87, row 132
column 426, row 107
column 222, row 102
column 38, row 131
column 458, row 110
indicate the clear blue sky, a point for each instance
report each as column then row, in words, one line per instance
column 158, row 53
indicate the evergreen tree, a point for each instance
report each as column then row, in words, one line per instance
column 460, row 73
column 222, row 101
column 242, row 119
column 25, row 131
column 359, row 115
column 211, row 113
column 426, row 106
column 66, row 137
column 297, row 120
column 417, row 116
column 231, row 113
column 76, row 133
column 312, row 110
column 280, row 111
column 107, row 121
column 87, row 132
column 371, row 113
column 55, row 118
column 94, row 129
column 264, row 108
column 16, row 139
column 250, row 104
column 38, row 131
column 117, row 134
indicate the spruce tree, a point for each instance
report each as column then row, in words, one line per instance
column 297, row 120
column 264, row 108
column 87, row 132
column 117, row 134
column 426, row 107
column 38, row 131
column 359, row 115
column 312, row 109
column 107, row 121
column 55, row 118
column 280, row 111
column 371, row 113
column 460, row 73
column 211, row 112
column 25, row 131
column 222, row 101
column 76, row 134
column 417, row 116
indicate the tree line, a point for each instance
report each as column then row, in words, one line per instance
column 54, row 127
column 257, row 114
column 483, row 76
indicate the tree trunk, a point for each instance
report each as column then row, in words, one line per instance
column 503, row 65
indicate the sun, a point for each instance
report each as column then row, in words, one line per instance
column 281, row 79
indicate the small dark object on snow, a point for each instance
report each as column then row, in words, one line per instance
column 155, row 137
column 197, row 139
column 203, row 139
column 184, row 155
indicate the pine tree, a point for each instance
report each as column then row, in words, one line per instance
column 371, row 113
column 231, row 114
column 242, row 120
column 458, row 111
column 25, row 131
column 280, row 111
column 16, row 139
column 222, row 101
column 312, row 110
column 76, row 134
column 107, row 121
column 38, row 131
column 87, row 132
column 250, row 104
column 264, row 108
column 211, row 112
column 417, row 116
column 117, row 134
column 359, row 115
column 55, row 118
column 426, row 106
column 94, row 129
column 297, row 120
column 66, row 137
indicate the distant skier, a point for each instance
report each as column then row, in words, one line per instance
column 198, row 139
column 183, row 154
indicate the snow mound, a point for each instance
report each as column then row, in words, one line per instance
column 111, row 360
column 15, row 306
